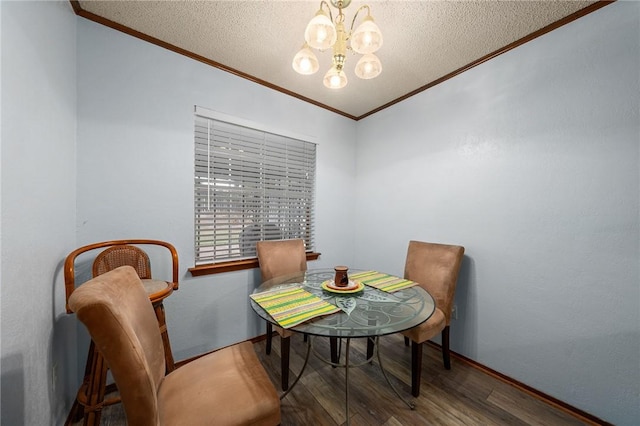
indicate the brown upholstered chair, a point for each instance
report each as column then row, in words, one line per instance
column 91, row 395
column 225, row 387
column 435, row 267
column 281, row 257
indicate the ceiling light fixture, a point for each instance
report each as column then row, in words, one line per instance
column 323, row 33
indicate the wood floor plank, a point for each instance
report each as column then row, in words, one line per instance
column 529, row 410
column 326, row 393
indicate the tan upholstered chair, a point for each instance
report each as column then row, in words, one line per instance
column 226, row 387
column 90, row 398
column 281, row 257
column 435, row 267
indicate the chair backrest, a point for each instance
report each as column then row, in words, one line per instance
column 116, row 310
column 435, row 267
column 122, row 255
column 280, row 257
column 70, row 267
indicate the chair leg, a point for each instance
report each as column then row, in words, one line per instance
column 162, row 323
column 445, row 348
column 406, row 341
column 416, row 368
column 370, row 346
column 77, row 409
column 285, row 350
column 88, row 402
column 333, row 344
column 269, row 337
column 96, row 390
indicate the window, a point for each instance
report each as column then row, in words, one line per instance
column 250, row 185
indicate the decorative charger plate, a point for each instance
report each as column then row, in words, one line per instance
column 353, row 287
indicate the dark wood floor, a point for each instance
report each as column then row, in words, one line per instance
column 463, row 395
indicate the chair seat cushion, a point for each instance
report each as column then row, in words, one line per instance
column 226, row 387
column 428, row 329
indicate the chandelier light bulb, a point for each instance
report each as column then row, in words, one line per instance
column 367, row 38
column 368, row 67
column 305, row 62
column 321, row 35
column 320, row 32
column 335, row 79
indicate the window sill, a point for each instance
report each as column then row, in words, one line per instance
column 235, row 265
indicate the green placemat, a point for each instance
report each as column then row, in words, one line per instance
column 292, row 305
column 381, row 281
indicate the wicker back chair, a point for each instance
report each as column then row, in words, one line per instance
column 91, row 396
column 123, row 255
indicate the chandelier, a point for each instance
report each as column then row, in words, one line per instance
column 323, row 33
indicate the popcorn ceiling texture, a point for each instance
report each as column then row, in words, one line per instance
column 423, row 40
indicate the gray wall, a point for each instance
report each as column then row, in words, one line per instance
column 38, row 208
column 530, row 161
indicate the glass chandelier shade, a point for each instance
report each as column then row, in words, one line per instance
column 368, row 67
column 323, row 32
column 367, row 38
column 320, row 32
column 305, row 61
column 335, row 79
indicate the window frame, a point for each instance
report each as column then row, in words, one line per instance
column 245, row 262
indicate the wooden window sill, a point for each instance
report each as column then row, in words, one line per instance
column 234, row 265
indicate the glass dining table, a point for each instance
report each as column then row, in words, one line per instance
column 367, row 311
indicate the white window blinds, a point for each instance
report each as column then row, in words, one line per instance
column 250, row 185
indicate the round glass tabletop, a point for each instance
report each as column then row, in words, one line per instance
column 370, row 312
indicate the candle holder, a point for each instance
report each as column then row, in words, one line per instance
column 341, row 278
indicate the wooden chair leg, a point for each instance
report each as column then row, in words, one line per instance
column 446, row 357
column 370, row 346
column 416, row 368
column 162, row 323
column 91, row 397
column 406, row 341
column 95, row 391
column 269, row 337
column 285, row 350
column 333, row 345
column 77, row 409
column 88, row 402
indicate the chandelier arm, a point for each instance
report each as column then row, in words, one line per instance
column 323, row 2
column 356, row 15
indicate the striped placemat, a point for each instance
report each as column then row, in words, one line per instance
column 292, row 305
column 381, row 281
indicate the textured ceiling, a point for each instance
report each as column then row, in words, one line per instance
column 424, row 41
